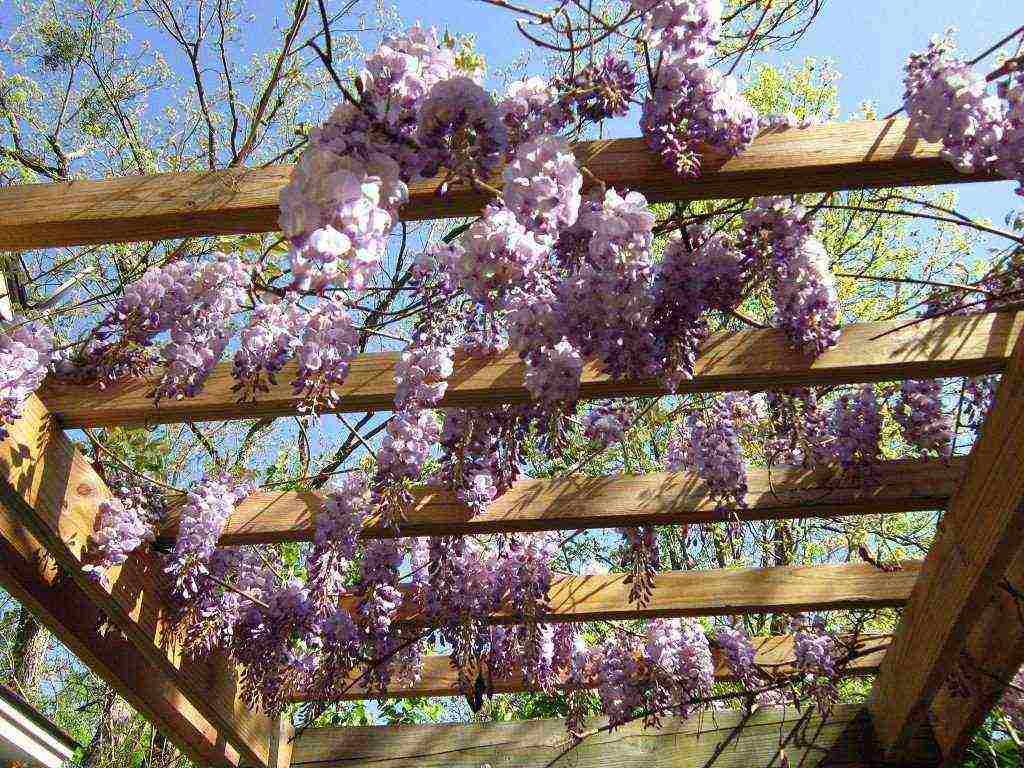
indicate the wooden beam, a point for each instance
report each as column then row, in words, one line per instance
column 53, row 493
column 723, row 739
column 439, row 678
column 661, row 498
column 784, row 589
column 281, row 742
column 860, row 154
column 959, row 597
column 738, row 360
column 32, row 578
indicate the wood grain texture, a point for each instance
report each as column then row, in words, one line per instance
column 853, row 155
column 31, row 577
column 992, row 652
column 979, row 539
column 739, row 360
column 784, row 589
column 662, row 498
column 843, row 739
column 439, row 678
column 54, row 493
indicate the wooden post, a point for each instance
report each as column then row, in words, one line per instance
column 960, row 602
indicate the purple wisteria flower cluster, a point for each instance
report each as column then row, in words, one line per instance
column 25, row 354
column 949, row 101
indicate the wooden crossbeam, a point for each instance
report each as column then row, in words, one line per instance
column 660, row 498
column 960, row 611
column 783, row 589
column 52, row 494
column 855, row 155
column 439, row 678
column 31, row 577
column 751, row 359
column 724, row 739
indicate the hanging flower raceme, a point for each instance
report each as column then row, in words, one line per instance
column 857, row 429
column 123, row 525
column 1010, row 155
column 326, row 341
column 949, row 102
column 699, row 271
column 461, row 130
column 660, row 673
column 606, row 423
column 210, row 617
column 681, row 30
column 604, row 304
column 919, row 412
column 695, row 110
column 201, row 520
column 803, row 287
column 481, row 452
column 338, row 524
column 26, row 351
column 740, row 655
column 532, row 109
column 601, row 90
column 266, row 343
column 801, row 432
column 816, row 651
column 337, row 212
column 496, row 253
column 1012, row 701
column 709, row 445
column 522, row 579
column 268, row 641
column 542, row 186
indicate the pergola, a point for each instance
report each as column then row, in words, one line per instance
column 961, row 600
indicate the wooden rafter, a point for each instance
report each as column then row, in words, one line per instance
column 783, row 589
column 737, row 360
column 960, row 612
column 53, row 493
column 31, row 577
column 725, row 739
column 618, row 501
column 439, row 678
column 858, row 154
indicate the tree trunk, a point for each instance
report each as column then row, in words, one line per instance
column 165, row 754
column 109, row 730
column 31, row 644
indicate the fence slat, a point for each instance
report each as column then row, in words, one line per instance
column 723, row 739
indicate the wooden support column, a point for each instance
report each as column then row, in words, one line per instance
column 51, row 494
column 960, row 611
column 281, row 741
